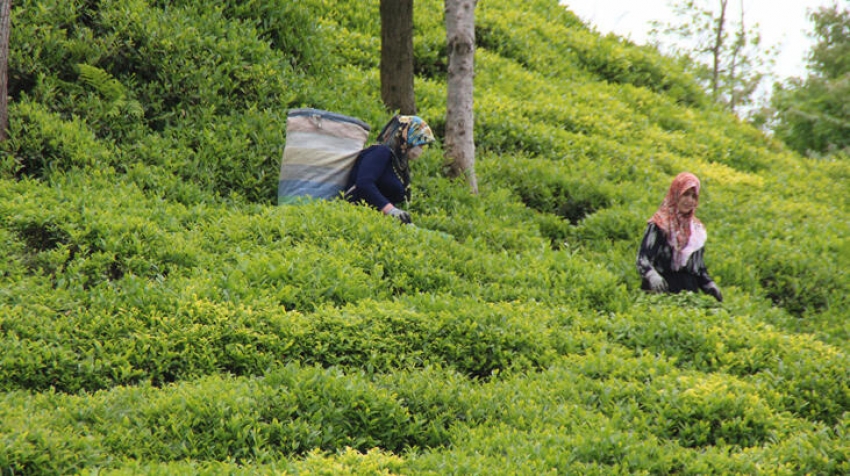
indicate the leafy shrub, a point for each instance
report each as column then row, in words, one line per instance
column 292, row 28
column 794, row 279
column 707, row 341
column 53, row 38
column 540, row 189
column 222, row 64
column 714, row 411
column 568, row 42
column 43, row 145
column 429, row 45
column 290, row 411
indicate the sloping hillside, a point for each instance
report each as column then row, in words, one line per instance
column 159, row 314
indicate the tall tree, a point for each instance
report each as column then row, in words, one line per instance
column 812, row 115
column 5, row 27
column 830, row 57
column 397, row 56
column 725, row 55
column 459, row 144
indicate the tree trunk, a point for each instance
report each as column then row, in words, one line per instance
column 737, row 48
column 5, row 27
column 397, row 56
column 459, row 153
column 717, row 51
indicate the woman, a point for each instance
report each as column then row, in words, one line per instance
column 381, row 175
column 671, row 256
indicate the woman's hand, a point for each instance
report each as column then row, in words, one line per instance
column 656, row 282
column 402, row 215
column 711, row 288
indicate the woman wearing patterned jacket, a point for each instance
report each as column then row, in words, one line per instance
column 672, row 252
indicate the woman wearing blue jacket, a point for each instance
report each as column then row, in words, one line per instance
column 381, row 175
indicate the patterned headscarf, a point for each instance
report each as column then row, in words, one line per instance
column 401, row 134
column 685, row 233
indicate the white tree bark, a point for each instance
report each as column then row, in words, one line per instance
column 459, row 144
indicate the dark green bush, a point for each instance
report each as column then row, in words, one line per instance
column 43, row 145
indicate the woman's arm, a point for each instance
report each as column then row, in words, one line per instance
column 648, row 253
column 704, row 280
column 653, row 238
column 372, row 166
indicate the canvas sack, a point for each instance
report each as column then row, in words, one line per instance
column 321, row 148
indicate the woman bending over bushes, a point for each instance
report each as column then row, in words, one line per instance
column 381, row 174
column 671, row 255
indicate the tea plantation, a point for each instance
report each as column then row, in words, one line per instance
column 160, row 314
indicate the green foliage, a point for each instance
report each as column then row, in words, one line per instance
column 159, row 315
column 43, row 145
column 552, row 41
column 49, row 39
column 112, row 90
column 306, row 47
column 831, row 29
column 811, row 117
column 811, row 114
column 191, row 59
column 290, row 411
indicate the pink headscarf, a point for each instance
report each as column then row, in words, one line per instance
column 685, row 233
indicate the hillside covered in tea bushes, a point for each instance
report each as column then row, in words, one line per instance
column 160, row 314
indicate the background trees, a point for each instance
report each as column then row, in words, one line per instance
column 397, row 91
column 812, row 115
column 725, row 54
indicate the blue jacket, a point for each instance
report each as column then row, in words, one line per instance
column 374, row 179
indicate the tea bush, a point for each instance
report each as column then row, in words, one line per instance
column 713, row 343
column 706, row 413
column 306, row 48
column 570, row 47
column 42, row 144
column 44, row 56
column 292, row 409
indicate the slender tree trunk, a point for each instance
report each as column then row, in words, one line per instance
column 718, row 51
column 737, row 48
column 397, row 56
column 5, row 27
column 459, row 153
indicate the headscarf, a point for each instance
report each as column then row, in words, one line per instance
column 685, row 233
column 401, row 134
